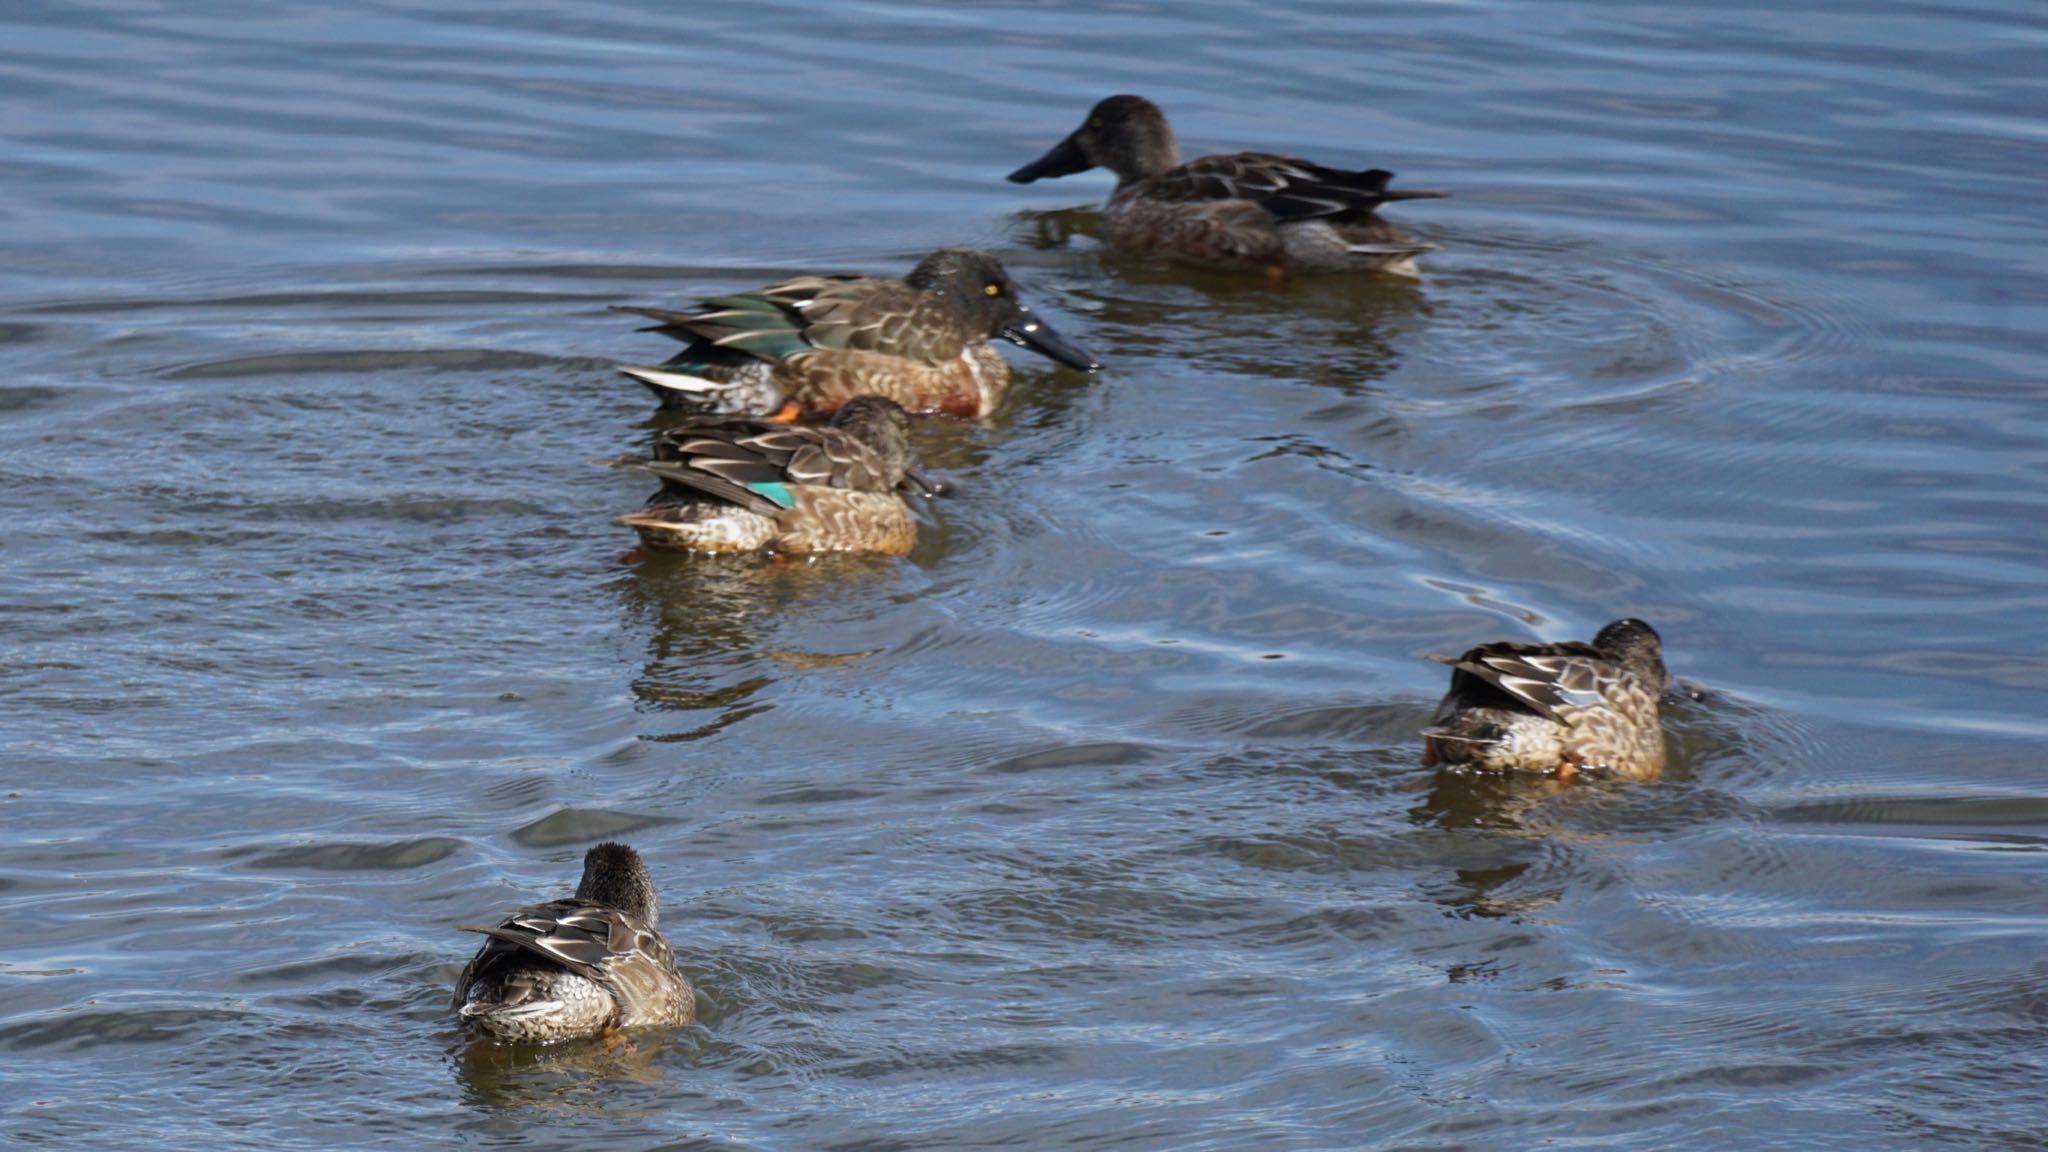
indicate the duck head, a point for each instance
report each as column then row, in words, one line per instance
column 977, row 286
column 1126, row 134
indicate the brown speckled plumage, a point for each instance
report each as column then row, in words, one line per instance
column 1547, row 707
column 749, row 485
column 578, row 966
column 1244, row 211
column 819, row 341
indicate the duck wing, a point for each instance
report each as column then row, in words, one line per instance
column 594, row 941
column 754, row 464
column 1548, row 679
column 770, row 322
column 1286, row 188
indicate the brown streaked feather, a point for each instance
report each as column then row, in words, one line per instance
column 890, row 317
column 832, row 520
column 1233, row 232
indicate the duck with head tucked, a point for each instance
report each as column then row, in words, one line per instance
column 1242, row 211
column 730, row 485
column 807, row 345
column 1556, row 708
column 590, row 964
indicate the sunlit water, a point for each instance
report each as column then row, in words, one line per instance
column 1100, row 820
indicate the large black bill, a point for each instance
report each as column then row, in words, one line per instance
column 1063, row 160
column 1033, row 333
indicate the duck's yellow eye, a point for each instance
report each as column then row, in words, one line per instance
column 1095, row 124
column 992, row 290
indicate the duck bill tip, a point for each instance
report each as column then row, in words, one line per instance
column 1063, row 159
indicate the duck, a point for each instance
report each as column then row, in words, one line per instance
column 739, row 485
column 804, row 346
column 1560, row 708
column 589, row 965
column 1240, row 211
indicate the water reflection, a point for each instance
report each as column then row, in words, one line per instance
column 1054, row 230
column 564, row 1078
column 710, row 627
column 1499, row 801
column 1494, row 893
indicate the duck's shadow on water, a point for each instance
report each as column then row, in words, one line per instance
column 719, row 630
column 1493, row 801
column 1544, row 320
column 570, row 1077
column 1332, row 330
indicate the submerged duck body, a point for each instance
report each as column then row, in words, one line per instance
column 580, row 966
column 1557, row 708
column 730, row 485
column 1244, row 211
column 809, row 344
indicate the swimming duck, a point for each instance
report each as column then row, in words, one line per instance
column 730, row 485
column 807, row 345
column 590, row 964
column 1556, row 708
column 1244, row 211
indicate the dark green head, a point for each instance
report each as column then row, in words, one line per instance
column 1637, row 647
column 976, row 286
column 1126, row 134
column 614, row 876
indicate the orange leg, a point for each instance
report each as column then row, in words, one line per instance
column 1566, row 771
column 632, row 555
column 1276, row 277
column 789, row 413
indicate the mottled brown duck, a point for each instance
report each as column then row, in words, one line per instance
column 731, row 485
column 1241, row 211
column 1556, row 708
column 590, row 964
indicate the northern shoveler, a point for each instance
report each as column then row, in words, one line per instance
column 730, row 485
column 1557, row 708
column 1243, row 211
column 810, row 344
column 590, row 964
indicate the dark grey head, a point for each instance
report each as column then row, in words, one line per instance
column 1126, row 134
column 978, row 288
column 614, row 876
column 882, row 425
column 1637, row 647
